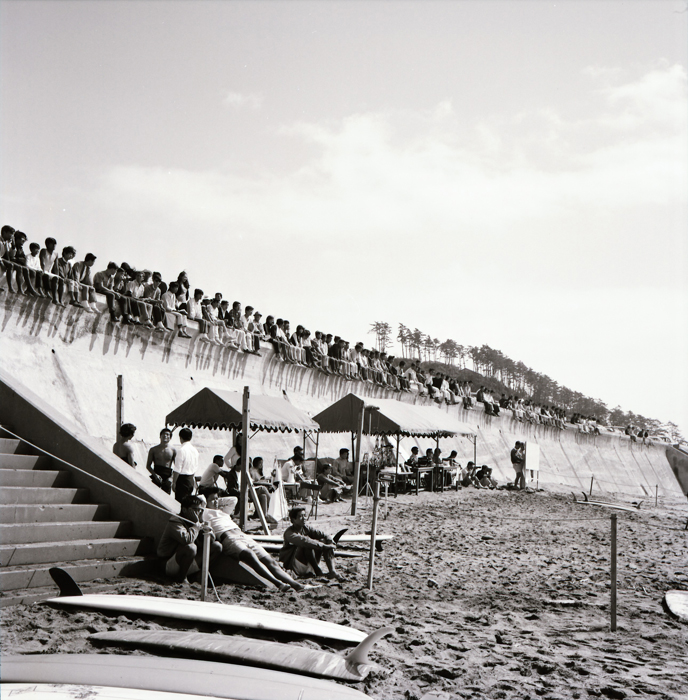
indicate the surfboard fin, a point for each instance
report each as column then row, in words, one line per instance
column 360, row 654
column 338, row 536
column 67, row 585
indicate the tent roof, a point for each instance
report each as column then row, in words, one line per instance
column 392, row 417
column 221, row 410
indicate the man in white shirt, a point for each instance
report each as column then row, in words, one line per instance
column 184, row 466
column 239, row 546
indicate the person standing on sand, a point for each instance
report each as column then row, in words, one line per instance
column 160, row 459
column 304, row 546
column 185, row 466
column 123, row 447
column 518, row 463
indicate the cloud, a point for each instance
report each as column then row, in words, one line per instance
column 391, row 178
column 237, row 100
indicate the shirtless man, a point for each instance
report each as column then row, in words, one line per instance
column 159, row 462
column 123, row 447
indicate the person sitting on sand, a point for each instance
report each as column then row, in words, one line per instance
column 304, row 547
column 331, row 487
column 484, row 477
column 159, row 462
column 211, row 475
column 179, row 545
column 123, row 447
column 239, row 546
column 468, row 476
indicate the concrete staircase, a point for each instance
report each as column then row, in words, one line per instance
column 47, row 520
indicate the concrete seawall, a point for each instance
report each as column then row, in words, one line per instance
column 71, row 359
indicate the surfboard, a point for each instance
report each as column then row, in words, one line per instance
column 63, row 691
column 615, row 506
column 343, row 553
column 171, row 675
column 352, row 539
column 212, row 613
column 283, row 657
column 677, row 602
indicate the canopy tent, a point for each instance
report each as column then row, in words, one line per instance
column 217, row 409
column 355, row 415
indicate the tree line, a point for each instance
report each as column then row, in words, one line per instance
column 514, row 375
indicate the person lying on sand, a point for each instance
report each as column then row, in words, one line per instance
column 304, row 547
column 239, row 546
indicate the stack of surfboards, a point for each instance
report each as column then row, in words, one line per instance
column 269, row 671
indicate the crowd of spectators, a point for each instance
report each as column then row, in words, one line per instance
column 140, row 297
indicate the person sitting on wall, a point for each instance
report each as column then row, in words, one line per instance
column 48, row 256
column 304, row 547
column 185, row 466
column 170, row 305
column 84, row 293
column 237, row 545
column 159, row 462
column 179, row 545
column 123, row 447
column 62, row 268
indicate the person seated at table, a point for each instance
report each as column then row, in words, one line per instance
column 237, row 545
column 180, row 546
column 428, row 459
column 412, row 461
column 331, row 487
column 304, row 547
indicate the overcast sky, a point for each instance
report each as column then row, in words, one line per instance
column 509, row 173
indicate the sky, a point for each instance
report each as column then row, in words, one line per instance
column 505, row 173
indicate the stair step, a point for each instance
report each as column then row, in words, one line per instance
column 19, row 461
column 46, row 552
column 62, row 512
column 10, row 446
column 27, row 533
column 21, row 495
column 18, row 578
column 34, row 477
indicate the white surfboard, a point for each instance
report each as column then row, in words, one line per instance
column 152, row 673
column 344, row 539
column 212, row 613
column 353, row 667
column 64, row 691
column 677, row 602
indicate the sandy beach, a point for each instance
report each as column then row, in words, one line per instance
column 492, row 594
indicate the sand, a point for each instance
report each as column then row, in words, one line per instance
column 492, row 594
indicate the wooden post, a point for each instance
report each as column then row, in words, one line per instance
column 205, row 566
column 245, row 427
column 357, row 463
column 396, row 471
column 120, row 403
column 592, row 478
column 656, row 494
column 613, row 572
column 259, row 509
column 475, row 450
column 373, row 533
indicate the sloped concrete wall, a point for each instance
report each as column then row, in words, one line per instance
column 71, row 359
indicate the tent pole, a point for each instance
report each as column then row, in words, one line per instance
column 475, row 450
column 317, row 444
column 373, row 534
column 245, row 427
column 396, row 470
column 357, row 456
